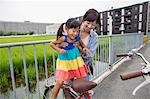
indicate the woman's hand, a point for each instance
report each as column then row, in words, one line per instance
column 85, row 50
column 62, row 51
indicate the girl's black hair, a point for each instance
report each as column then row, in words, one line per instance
column 60, row 31
column 71, row 23
column 91, row 15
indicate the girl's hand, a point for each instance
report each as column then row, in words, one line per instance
column 62, row 51
column 85, row 50
column 76, row 43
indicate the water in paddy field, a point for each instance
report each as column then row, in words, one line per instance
column 21, row 92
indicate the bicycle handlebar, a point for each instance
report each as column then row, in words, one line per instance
column 124, row 54
column 132, row 74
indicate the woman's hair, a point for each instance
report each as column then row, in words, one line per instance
column 71, row 23
column 91, row 15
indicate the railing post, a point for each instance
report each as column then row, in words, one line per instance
column 110, row 41
column 37, row 76
column 25, row 73
column 98, row 56
column 53, row 60
column 45, row 61
column 12, row 74
column 147, row 20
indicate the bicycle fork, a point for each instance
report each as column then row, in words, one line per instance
column 85, row 95
column 72, row 93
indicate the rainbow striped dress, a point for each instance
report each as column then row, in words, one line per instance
column 70, row 64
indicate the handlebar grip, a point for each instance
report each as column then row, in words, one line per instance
column 130, row 75
column 122, row 54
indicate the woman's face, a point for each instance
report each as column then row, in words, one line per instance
column 87, row 26
column 72, row 33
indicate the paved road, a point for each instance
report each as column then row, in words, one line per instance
column 114, row 88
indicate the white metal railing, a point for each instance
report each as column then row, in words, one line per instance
column 105, row 56
column 109, row 46
column 24, row 63
column 148, row 34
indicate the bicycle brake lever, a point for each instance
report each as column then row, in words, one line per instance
column 141, row 85
column 147, row 81
column 134, row 50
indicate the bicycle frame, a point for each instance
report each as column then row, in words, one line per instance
column 68, row 91
column 73, row 94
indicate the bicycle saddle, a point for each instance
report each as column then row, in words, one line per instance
column 82, row 85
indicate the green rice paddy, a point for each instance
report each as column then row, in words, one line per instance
column 16, row 53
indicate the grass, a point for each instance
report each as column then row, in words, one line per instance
column 25, row 39
column 16, row 53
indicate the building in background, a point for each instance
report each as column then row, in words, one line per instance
column 52, row 28
column 27, row 26
column 129, row 19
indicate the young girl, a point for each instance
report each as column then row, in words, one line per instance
column 69, row 63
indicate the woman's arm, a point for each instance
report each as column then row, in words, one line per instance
column 93, row 45
column 83, row 46
column 81, row 43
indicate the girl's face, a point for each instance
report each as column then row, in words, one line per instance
column 87, row 26
column 72, row 33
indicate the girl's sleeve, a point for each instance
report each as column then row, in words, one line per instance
column 78, row 38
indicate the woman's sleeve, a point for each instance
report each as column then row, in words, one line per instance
column 93, row 46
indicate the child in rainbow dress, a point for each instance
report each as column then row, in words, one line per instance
column 69, row 62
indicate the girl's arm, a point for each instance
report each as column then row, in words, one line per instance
column 54, row 43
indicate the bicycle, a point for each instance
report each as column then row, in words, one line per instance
column 75, row 89
column 145, row 72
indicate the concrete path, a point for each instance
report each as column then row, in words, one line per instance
column 113, row 87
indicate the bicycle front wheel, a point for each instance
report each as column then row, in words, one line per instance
column 47, row 92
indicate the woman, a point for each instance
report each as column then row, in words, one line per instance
column 89, row 37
